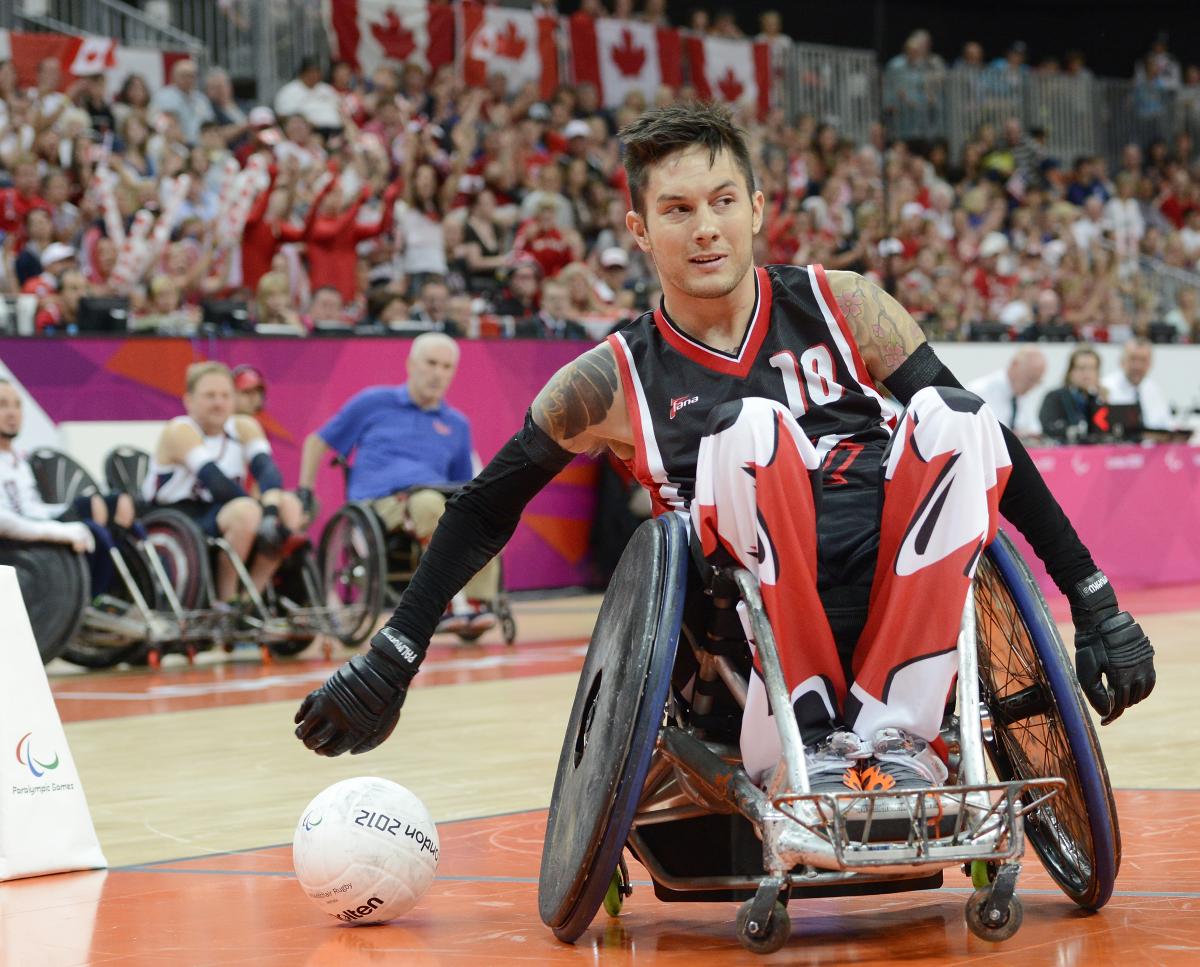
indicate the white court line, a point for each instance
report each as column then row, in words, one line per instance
column 513, row 659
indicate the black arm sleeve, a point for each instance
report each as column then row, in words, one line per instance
column 1027, row 501
column 478, row 522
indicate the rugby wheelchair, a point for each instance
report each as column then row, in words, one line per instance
column 650, row 763
column 356, row 531
column 161, row 599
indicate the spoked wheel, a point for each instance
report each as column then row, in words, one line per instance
column 298, row 580
column 89, row 654
column 353, row 572
column 1041, row 727
column 56, row 587
column 183, row 551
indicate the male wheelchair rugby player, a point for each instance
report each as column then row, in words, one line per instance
column 843, row 539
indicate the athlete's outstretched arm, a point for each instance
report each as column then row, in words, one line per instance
column 358, row 706
column 1114, row 659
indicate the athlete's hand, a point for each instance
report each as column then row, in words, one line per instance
column 359, row 705
column 80, row 537
column 1113, row 657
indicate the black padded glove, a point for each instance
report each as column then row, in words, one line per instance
column 308, row 501
column 271, row 532
column 359, row 705
column 1113, row 657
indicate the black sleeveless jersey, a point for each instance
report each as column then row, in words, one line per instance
column 798, row 350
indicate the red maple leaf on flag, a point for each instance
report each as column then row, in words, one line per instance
column 730, row 87
column 509, row 42
column 397, row 41
column 628, row 58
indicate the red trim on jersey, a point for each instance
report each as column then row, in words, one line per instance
column 714, row 359
column 641, row 467
column 860, row 367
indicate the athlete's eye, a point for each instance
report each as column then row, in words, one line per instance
column 724, row 201
column 676, row 209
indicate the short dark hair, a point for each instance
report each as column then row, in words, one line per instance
column 663, row 131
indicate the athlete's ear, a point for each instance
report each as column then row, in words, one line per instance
column 637, row 228
column 758, row 203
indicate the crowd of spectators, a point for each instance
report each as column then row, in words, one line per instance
column 404, row 202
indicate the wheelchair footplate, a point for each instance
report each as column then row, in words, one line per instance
column 939, row 826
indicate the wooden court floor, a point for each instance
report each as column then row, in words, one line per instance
column 195, row 784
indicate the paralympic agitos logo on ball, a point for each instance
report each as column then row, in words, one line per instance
column 25, row 756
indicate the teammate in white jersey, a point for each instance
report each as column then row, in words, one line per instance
column 24, row 516
column 201, row 466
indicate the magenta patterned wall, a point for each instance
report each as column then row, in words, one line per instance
column 308, row 380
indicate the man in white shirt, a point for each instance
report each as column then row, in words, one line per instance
column 183, row 99
column 1090, row 225
column 1132, row 385
column 1009, row 391
column 310, row 97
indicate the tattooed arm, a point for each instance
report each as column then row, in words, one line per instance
column 886, row 334
column 582, row 407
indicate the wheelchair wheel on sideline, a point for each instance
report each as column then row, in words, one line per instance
column 1041, row 727
column 56, row 587
column 353, row 572
column 615, row 718
column 297, row 583
column 87, row 654
column 125, row 468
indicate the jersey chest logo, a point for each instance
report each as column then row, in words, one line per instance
column 679, row 402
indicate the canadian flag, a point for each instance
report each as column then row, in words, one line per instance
column 516, row 43
column 366, row 33
column 94, row 55
column 737, row 72
column 619, row 56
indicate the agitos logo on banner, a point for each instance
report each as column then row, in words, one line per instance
column 26, row 757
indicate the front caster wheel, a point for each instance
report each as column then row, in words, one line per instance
column 996, row 925
column 767, row 937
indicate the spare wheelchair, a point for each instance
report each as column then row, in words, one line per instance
column 650, row 763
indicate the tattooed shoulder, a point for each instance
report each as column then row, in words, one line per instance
column 886, row 334
column 578, row 397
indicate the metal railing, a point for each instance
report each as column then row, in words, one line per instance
column 112, row 18
column 835, row 84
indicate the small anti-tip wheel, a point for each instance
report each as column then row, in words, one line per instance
column 771, row 937
column 508, row 628
column 618, row 889
column 993, row 931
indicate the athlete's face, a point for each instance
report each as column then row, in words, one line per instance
column 699, row 224
column 10, row 411
column 211, row 403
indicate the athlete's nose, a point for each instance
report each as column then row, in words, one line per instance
column 706, row 225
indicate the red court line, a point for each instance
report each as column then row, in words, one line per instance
column 244, row 908
column 177, row 689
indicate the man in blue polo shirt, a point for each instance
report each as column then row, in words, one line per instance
column 404, row 439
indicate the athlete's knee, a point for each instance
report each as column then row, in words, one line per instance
column 748, row 411
column 241, row 515
column 951, row 398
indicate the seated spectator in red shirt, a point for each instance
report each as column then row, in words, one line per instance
column 542, row 239
column 15, row 202
column 60, row 312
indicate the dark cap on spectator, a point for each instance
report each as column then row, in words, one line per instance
column 1018, row 47
column 247, row 377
